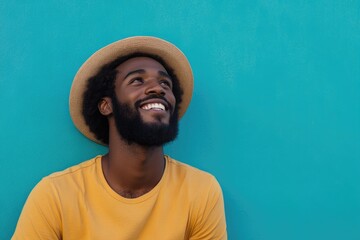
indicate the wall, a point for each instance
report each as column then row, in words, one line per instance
column 275, row 114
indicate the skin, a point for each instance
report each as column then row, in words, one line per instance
column 132, row 169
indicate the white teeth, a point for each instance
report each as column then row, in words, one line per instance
column 155, row 106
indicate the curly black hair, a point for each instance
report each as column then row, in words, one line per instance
column 102, row 85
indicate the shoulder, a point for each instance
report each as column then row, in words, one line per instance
column 70, row 178
column 76, row 169
column 199, row 180
column 189, row 171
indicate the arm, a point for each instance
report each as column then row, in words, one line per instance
column 210, row 222
column 40, row 217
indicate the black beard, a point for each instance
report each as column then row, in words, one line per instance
column 133, row 129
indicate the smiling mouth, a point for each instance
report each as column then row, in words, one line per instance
column 154, row 106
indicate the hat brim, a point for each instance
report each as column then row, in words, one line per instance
column 144, row 44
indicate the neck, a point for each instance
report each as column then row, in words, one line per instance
column 131, row 169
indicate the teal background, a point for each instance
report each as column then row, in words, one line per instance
column 275, row 114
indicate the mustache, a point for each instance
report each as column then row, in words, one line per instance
column 153, row 96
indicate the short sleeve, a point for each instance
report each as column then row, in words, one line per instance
column 40, row 217
column 210, row 222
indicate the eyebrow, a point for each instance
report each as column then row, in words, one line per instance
column 164, row 74
column 141, row 71
column 135, row 71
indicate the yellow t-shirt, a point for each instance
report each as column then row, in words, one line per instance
column 78, row 203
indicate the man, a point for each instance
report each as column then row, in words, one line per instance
column 129, row 95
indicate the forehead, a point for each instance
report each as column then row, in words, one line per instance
column 140, row 63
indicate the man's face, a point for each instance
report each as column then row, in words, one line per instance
column 144, row 104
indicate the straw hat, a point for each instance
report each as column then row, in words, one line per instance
column 151, row 45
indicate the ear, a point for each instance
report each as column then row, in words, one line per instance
column 105, row 106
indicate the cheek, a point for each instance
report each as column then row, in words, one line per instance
column 126, row 96
column 171, row 99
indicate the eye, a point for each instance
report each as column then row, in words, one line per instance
column 136, row 81
column 166, row 83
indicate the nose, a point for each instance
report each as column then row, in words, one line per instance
column 154, row 87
